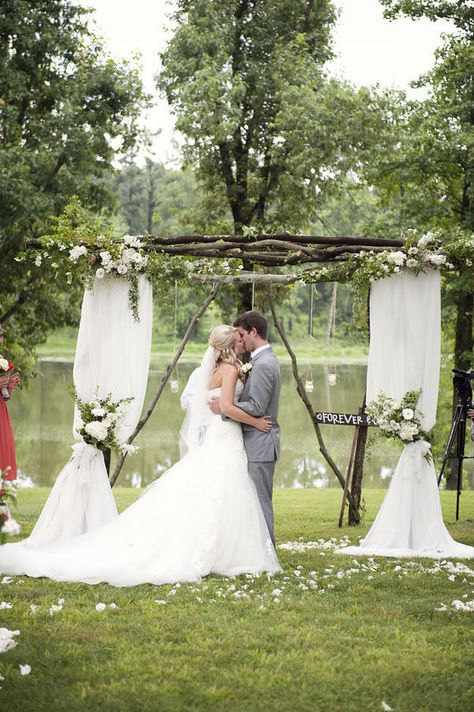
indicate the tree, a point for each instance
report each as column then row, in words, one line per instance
column 65, row 109
column 268, row 135
column 460, row 13
column 154, row 198
column 423, row 165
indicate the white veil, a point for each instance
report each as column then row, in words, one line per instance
column 198, row 414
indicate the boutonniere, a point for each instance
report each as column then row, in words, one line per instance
column 245, row 369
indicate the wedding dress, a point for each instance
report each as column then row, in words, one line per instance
column 203, row 515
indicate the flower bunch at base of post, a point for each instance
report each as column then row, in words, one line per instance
column 101, row 418
column 400, row 420
column 8, row 489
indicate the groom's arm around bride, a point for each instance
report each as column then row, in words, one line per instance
column 260, row 396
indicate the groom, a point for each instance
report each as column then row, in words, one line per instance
column 260, row 396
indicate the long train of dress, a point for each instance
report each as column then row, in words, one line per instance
column 203, row 515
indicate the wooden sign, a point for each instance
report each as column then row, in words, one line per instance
column 353, row 419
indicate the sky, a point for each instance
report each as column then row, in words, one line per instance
column 369, row 49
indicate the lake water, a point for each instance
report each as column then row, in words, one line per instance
column 42, row 421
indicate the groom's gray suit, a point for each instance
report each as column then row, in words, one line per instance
column 260, row 396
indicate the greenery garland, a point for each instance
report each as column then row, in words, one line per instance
column 80, row 248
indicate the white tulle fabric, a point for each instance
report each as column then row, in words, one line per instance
column 202, row 516
column 112, row 354
column 404, row 355
column 197, row 415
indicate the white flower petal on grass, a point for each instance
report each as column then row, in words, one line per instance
column 161, row 602
column 442, row 607
column 25, row 669
column 33, row 607
column 100, row 607
column 113, row 605
column 467, row 607
column 55, row 609
column 4, row 605
column 386, row 707
column 7, row 641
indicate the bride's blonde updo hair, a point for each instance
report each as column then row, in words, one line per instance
column 221, row 339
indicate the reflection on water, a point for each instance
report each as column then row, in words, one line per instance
column 42, row 420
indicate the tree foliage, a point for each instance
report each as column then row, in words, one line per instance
column 266, row 132
column 154, row 198
column 65, row 109
column 459, row 12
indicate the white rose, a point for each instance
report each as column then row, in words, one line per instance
column 98, row 412
column 122, row 269
column 128, row 256
column 426, row 239
column 100, row 273
column 38, row 261
column 408, row 431
column 109, row 419
column 412, row 263
column 4, row 364
column 97, row 430
column 397, row 257
column 437, row 259
column 128, row 449
column 105, row 257
column 413, row 251
column 408, row 414
column 100, row 607
column 76, row 252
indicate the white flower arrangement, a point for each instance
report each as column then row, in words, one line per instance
column 417, row 255
column 100, row 418
column 399, row 420
column 8, row 490
column 245, row 369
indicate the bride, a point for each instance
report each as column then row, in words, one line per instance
column 203, row 515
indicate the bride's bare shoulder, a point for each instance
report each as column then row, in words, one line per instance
column 228, row 370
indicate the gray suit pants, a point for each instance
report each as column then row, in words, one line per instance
column 262, row 476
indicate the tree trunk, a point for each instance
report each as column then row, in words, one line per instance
column 462, row 359
column 151, row 195
column 331, row 327
column 358, row 473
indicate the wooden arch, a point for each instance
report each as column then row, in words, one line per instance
column 271, row 253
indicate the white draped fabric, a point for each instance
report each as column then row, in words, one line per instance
column 404, row 355
column 112, row 354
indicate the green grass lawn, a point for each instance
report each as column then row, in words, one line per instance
column 341, row 634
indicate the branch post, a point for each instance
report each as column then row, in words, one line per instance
column 303, row 395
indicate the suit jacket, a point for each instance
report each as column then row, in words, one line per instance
column 261, row 396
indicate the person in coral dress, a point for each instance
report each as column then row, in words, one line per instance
column 8, row 383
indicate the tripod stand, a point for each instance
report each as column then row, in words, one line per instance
column 457, row 433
